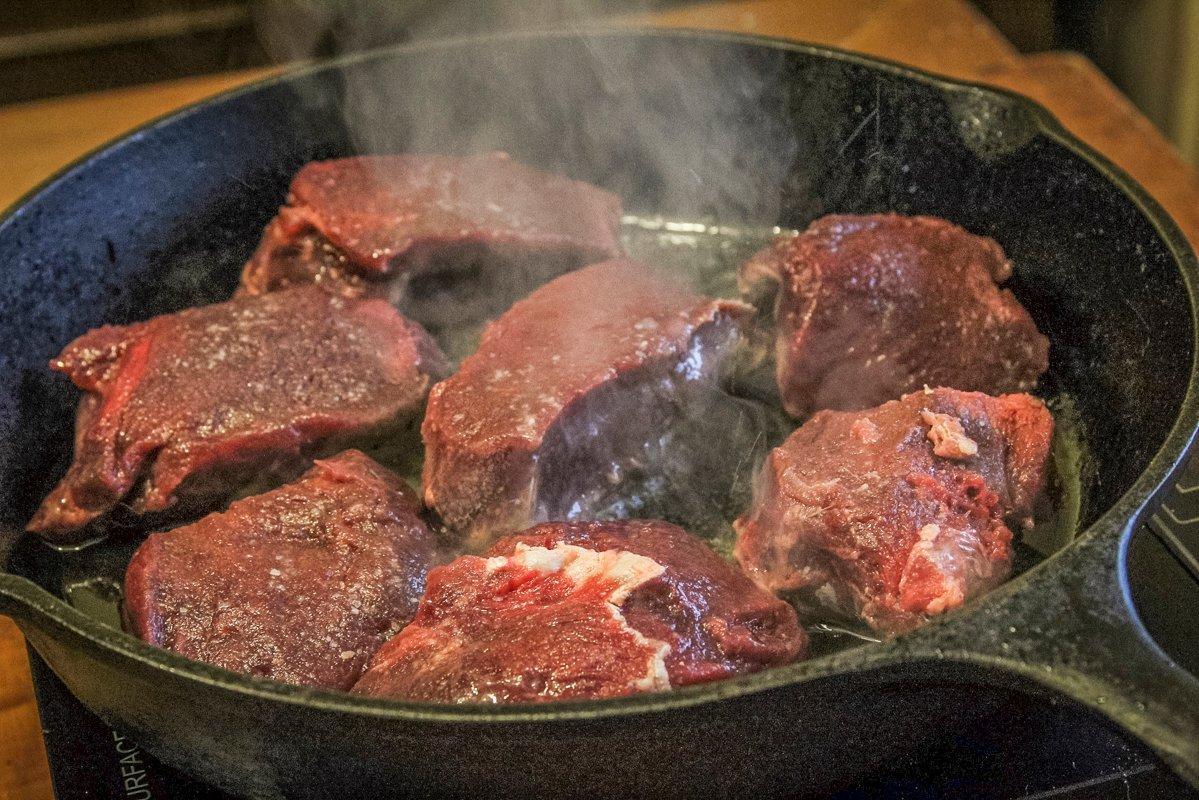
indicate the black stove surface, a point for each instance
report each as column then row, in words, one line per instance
column 1028, row 749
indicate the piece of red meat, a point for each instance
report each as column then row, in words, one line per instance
column 573, row 390
column 870, row 307
column 484, row 228
column 899, row 512
column 584, row 610
column 301, row 584
column 193, row 405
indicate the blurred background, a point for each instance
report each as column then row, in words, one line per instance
column 1148, row 48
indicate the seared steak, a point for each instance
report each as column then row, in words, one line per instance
column 899, row 512
column 584, row 610
column 870, row 307
column 190, row 406
column 446, row 237
column 570, row 407
column 300, row 585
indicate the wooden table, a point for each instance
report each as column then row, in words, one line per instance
column 944, row 36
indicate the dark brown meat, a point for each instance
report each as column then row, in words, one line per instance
column 189, row 406
column 570, row 391
column 870, row 307
column 898, row 513
column 584, row 610
column 300, row 585
column 438, row 234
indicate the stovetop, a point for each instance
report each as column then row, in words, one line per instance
column 1029, row 749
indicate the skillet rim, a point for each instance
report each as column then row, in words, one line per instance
column 1118, row 520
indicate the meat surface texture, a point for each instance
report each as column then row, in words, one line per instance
column 567, row 408
column 437, row 234
column 584, row 610
column 301, row 584
column 187, row 407
column 899, row 512
column 870, row 307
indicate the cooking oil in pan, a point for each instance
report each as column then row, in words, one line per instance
column 99, row 598
column 1072, row 471
column 705, row 254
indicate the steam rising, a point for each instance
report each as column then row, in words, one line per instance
column 689, row 137
column 691, row 132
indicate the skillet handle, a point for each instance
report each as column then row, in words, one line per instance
column 1069, row 625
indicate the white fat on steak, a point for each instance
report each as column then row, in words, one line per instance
column 955, row 555
column 948, row 438
column 621, row 570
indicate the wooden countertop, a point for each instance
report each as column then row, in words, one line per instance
column 943, row 36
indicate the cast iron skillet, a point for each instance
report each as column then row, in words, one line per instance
column 695, row 126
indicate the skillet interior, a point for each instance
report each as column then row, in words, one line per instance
column 706, row 254
column 771, row 145
column 707, row 129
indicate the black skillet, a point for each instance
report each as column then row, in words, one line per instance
column 708, row 128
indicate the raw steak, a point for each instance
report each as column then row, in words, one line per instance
column 870, row 307
column 584, row 610
column 446, row 237
column 300, row 585
column 192, row 405
column 570, row 407
column 898, row 513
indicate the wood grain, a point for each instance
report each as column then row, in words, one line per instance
column 24, row 773
column 944, row 36
column 41, row 137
